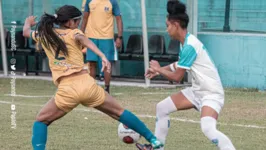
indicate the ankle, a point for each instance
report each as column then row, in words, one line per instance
column 107, row 88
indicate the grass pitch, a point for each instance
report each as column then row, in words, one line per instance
column 87, row 129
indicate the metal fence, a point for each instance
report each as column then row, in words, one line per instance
column 242, row 16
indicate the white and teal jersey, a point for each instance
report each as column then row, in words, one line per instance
column 194, row 57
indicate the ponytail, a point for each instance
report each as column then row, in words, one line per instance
column 45, row 27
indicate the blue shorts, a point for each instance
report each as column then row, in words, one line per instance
column 107, row 46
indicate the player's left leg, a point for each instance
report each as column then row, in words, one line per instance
column 114, row 110
column 107, row 80
column 92, row 59
column 209, row 115
column 95, row 96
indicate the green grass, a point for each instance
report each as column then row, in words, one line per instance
column 99, row 132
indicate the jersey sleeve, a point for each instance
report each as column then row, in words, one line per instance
column 75, row 33
column 116, row 9
column 187, row 57
column 34, row 36
column 86, row 7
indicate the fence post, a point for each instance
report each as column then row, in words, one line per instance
column 227, row 17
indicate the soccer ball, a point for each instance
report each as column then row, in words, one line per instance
column 127, row 135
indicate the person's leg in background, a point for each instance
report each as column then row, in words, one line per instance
column 92, row 67
column 101, row 74
column 92, row 59
column 108, row 48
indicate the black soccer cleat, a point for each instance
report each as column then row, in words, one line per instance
column 144, row 146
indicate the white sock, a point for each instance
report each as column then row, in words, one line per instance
column 163, row 109
column 208, row 127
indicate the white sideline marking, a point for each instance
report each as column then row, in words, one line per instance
column 44, row 96
column 115, row 94
column 157, row 93
column 118, row 94
column 28, row 96
column 149, row 116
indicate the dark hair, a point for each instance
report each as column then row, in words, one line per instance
column 45, row 27
column 177, row 12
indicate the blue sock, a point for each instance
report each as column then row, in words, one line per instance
column 131, row 121
column 39, row 136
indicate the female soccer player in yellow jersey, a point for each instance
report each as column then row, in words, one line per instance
column 63, row 47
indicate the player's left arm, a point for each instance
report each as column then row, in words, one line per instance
column 176, row 75
column 119, row 22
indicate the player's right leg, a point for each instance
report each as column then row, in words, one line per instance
column 171, row 104
column 101, row 74
column 92, row 59
column 64, row 101
column 49, row 113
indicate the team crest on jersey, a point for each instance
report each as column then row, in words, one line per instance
column 106, row 9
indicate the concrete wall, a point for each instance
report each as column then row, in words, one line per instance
column 239, row 58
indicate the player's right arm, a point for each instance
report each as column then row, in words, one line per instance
column 86, row 15
column 29, row 22
column 172, row 67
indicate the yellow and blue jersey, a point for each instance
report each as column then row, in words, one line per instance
column 73, row 89
column 61, row 65
column 100, row 23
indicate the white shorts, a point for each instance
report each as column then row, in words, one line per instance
column 216, row 104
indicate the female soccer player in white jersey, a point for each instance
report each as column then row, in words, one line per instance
column 206, row 93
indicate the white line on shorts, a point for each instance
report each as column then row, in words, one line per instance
column 148, row 116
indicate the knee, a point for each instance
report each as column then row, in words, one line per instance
column 208, row 125
column 92, row 65
column 41, row 117
column 117, row 114
column 161, row 110
column 205, row 128
column 165, row 107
